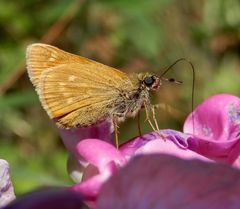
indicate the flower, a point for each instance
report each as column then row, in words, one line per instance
column 211, row 133
column 216, row 131
column 194, row 169
column 107, row 159
column 152, row 181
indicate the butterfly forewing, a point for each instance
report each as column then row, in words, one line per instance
column 75, row 90
column 42, row 56
column 64, row 94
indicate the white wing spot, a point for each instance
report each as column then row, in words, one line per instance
column 61, row 83
column 69, row 101
column 62, row 89
column 51, row 59
column 72, row 78
column 54, row 56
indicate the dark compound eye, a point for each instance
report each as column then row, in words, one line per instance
column 148, row 81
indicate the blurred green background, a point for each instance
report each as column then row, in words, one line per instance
column 133, row 36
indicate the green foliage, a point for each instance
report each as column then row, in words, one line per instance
column 33, row 170
column 132, row 35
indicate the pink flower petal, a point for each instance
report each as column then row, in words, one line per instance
column 170, row 182
column 99, row 153
column 71, row 137
column 216, row 132
column 89, row 188
column 105, row 158
column 176, row 144
column 236, row 163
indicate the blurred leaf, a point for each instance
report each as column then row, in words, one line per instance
column 227, row 78
column 222, row 15
column 10, row 57
column 18, row 99
column 29, row 174
column 53, row 10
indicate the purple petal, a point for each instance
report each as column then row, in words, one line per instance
column 106, row 160
column 216, row 132
column 236, row 163
column 48, row 199
column 6, row 189
column 176, row 144
column 99, row 153
column 89, row 188
column 71, row 138
column 170, row 182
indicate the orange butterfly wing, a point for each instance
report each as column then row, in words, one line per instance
column 74, row 90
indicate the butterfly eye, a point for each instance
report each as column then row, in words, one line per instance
column 148, row 81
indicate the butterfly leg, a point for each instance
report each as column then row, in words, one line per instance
column 154, row 118
column 147, row 116
column 115, row 131
column 156, row 123
column 139, row 125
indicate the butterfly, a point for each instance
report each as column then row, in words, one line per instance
column 79, row 92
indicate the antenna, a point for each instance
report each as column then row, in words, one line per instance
column 180, row 82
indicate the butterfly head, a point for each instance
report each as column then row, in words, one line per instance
column 149, row 81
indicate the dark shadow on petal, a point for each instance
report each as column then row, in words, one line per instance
column 48, row 199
